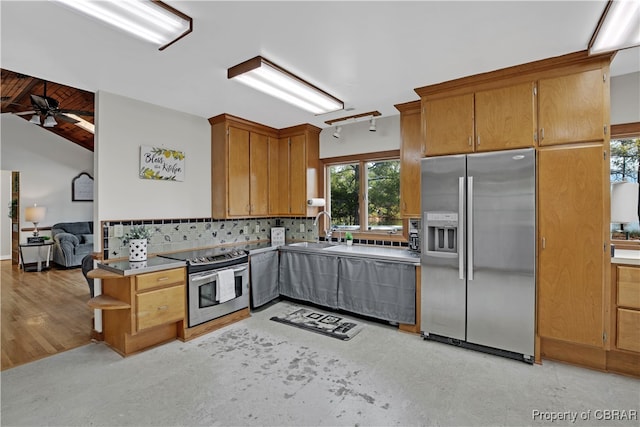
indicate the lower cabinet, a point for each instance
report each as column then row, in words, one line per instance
column 379, row 289
column 263, row 269
column 374, row 288
column 309, row 277
column 628, row 308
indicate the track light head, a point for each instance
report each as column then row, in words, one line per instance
column 336, row 134
column 372, row 125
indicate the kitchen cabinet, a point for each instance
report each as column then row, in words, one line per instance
column 411, row 151
column 383, row 290
column 628, row 308
column 140, row 311
column 448, row 125
column 309, row 277
column 573, row 108
column 299, row 171
column 572, row 228
column 486, row 120
column 240, row 174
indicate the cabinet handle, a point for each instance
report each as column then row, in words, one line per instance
column 163, row 307
column 469, row 141
column 162, row 279
column 478, row 139
column 544, row 243
column 541, row 134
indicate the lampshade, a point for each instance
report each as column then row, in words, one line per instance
column 269, row 78
column 34, row 214
column 624, row 202
column 35, row 119
column 49, row 122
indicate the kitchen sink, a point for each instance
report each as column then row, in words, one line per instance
column 311, row 245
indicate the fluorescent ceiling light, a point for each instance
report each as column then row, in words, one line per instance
column 269, row 78
column 82, row 123
column 618, row 27
column 150, row 20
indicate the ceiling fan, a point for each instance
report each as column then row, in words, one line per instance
column 49, row 108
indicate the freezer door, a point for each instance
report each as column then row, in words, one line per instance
column 443, row 279
column 501, row 253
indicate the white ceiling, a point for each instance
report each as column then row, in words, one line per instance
column 370, row 54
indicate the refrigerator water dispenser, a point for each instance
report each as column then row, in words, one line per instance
column 442, row 232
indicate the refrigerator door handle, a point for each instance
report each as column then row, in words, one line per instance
column 461, row 228
column 470, row 228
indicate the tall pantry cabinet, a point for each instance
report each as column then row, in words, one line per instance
column 560, row 106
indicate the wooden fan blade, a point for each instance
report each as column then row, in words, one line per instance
column 39, row 103
column 65, row 118
column 25, row 113
column 77, row 112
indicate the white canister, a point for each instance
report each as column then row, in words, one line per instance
column 138, row 250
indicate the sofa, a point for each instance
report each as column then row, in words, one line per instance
column 72, row 241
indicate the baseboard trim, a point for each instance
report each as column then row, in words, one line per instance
column 575, row 354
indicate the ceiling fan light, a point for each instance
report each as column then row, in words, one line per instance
column 49, row 122
column 35, row 119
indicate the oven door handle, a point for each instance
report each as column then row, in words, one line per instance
column 209, row 276
column 203, row 277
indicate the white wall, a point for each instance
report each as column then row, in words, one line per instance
column 5, row 221
column 625, row 98
column 355, row 138
column 123, row 125
column 47, row 164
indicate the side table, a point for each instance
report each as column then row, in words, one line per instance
column 39, row 263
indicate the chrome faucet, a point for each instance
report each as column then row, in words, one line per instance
column 326, row 233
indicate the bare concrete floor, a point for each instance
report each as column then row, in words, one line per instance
column 259, row 372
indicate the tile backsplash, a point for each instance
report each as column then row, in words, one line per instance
column 171, row 235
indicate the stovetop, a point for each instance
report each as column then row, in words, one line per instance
column 214, row 257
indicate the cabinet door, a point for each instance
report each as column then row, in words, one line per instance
column 571, row 108
column 449, row 125
column 259, row 174
column 505, row 118
column 571, row 256
column 279, row 189
column 238, row 173
column 159, row 307
column 274, row 177
column 628, row 330
column 298, row 175
column 410, row 156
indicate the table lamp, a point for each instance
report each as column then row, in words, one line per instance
column 624, row 204
column 35, row 214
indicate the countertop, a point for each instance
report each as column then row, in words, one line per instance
column 360, row 251
column 129, row 268
column 625, row 256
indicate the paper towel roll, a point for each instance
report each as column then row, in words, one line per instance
column 315, row 202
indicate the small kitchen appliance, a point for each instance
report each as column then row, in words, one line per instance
column 414, row 234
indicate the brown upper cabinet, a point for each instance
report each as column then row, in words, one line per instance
column 411, row 152
column 260, row 171
column 572, row 108
column 487, row 120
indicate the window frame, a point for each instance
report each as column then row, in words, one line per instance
column 362, row 160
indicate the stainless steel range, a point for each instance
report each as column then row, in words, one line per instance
column 218, row 282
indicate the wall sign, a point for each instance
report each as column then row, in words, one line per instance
column 82, row 188
column 161, row 163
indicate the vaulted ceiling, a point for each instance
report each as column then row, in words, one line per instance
column 17, row 88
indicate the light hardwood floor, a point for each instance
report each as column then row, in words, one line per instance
column 43, row 313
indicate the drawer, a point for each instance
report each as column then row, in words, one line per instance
column 629, row 287
column 161, row 306
column 159, row 278
column 629, row 329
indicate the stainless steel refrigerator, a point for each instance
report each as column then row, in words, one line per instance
column 478, row 251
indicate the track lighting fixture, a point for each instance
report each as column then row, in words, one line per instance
column 336, row 134
column 372, row 125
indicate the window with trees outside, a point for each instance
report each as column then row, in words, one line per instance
column 364, row 195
